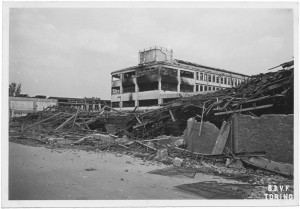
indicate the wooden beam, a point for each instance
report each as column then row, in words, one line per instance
column 245, row 109
column 62, row 125
column 172, row 115
column 42, row 121
column 200, row 129
column 140, row 122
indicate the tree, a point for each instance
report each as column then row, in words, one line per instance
column 14, row 89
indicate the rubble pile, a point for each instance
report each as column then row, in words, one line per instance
column 59, row 119
column 269, row 93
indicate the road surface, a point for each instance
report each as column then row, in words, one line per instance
column 38, row 173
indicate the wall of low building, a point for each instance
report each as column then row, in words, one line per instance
column 271, row 133
column 22, row 105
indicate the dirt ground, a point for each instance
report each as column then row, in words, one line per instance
column 39, row 173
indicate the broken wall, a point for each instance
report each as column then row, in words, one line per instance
column 206, row 141
column 270, row 133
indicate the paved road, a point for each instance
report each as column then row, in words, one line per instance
column 38, row 173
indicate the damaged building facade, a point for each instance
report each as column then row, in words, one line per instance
column 158, row 79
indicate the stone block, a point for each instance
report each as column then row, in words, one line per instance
column 177, row 162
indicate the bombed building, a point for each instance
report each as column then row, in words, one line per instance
column 158, row 79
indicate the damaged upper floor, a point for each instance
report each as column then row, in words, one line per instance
column 158, row 79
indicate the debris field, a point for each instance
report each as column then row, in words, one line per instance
column 163, row 134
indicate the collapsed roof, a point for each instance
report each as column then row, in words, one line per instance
column 269, row 93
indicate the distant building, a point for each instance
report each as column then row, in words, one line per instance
column 20, row 106
column 85, row 104
column 158, row 78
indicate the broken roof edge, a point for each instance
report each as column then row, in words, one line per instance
column 208, row 67
column 180, row 63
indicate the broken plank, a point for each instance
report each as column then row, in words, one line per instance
column 172, row 115
column 62, row 125
column 41, row 121
column 145, row 145
column 202, row 119
column 138, row 119
column 245, row 109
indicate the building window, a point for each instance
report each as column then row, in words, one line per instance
column 201, row 88
column 225, row 80
column 205, row 88
column 129, row 74
column 148, row 86
column 209, row 78
column 213, row 78
column 197, row 76
column 209, row 88
column 129, row 89
column 116, row 77
column 168, row 86
column 148, row 102
column 221, row 79
column 169, row 71
column 128, row 103
column 147, row 71
column 213, row 88
column 186, row 74
column 115, row 104
column 205, row 77
column 229, row 81
column 197, row 88
column 201, row 76
column 217, row 79
column 115, row 90
column 186, row 88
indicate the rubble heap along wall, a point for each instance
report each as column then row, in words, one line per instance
column 270, row 133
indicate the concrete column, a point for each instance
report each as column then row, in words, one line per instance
column 178, row 77
column 34, row 106
column 159, row 84
column 136, row 93
column 160, row 100
column 121, row 86
column 194, row 82
column 159, row 89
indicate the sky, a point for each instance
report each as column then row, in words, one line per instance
column 71, row 52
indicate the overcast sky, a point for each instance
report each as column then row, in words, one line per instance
column 71, row 52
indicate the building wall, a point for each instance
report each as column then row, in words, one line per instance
column 271, row 133
column 22, row 105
